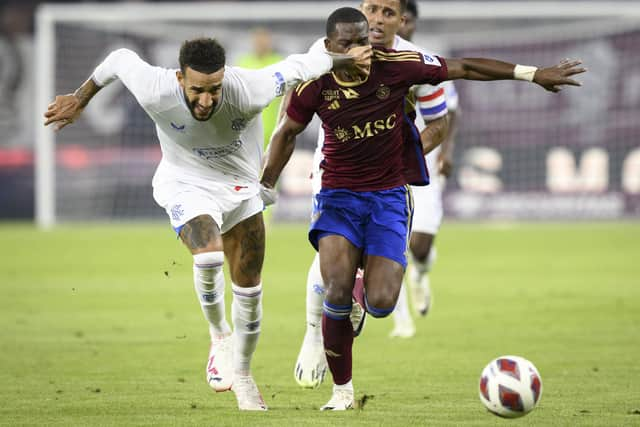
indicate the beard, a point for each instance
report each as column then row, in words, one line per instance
column 191, row 105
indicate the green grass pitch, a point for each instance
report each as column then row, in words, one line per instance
column 100, row 326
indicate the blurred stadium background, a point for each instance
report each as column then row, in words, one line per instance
column 521, row 153
column 99, row 323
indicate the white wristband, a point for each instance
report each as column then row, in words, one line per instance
column 524, row 72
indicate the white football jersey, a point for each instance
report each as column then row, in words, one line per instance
column 227, row 148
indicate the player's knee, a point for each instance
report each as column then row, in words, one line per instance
column 338, row 293
column 206, row 266
column 380, row 304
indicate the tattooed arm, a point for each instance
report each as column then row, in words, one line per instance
column 139, row 77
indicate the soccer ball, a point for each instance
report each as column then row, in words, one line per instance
column 510, row 386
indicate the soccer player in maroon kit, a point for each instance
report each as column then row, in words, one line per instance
column 362, row 215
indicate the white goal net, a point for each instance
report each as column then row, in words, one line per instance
column 521, row 153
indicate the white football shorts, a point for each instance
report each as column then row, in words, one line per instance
column 227, row 203
column 427, row 200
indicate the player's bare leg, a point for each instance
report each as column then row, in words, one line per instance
column 382, row 282
column 311, row 364
column 244, row 248
column 202, row 236
column 339, row 260
column 422, row 258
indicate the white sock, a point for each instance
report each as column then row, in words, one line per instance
column 315, row 298
column 246, row 312
column 421, row 269
column 346, row 386
column 401, row 313
column 208, row 280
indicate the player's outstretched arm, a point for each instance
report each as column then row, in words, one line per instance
column 280, row 149
column 550, row 78
column 65, row 109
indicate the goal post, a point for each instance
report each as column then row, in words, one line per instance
column 521, row 153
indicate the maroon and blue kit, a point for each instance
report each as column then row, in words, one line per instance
column 371, row 151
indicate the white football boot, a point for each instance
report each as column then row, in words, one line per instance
column 247, row 394
column 220, row 364
column 311, row 366
column 402, row 328
column 341, row 400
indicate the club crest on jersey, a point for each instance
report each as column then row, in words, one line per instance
column 383, row 92
column 177, row 212
column 239, row 124
column 430, row 60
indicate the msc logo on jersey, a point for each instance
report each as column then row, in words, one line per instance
column 177, row 212
column 342, row 134
column 239, row 124
column 367, row 130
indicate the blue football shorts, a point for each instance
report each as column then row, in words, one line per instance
column 378, row 222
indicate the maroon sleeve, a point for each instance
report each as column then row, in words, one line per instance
column 431, row 70
column 304, row 102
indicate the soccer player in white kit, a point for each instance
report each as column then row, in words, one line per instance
column 385, row 18
column 207, row 118
column 428, row 211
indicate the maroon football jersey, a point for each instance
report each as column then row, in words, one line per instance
column 363, row 122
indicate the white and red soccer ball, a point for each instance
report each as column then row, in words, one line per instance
column 510, row 386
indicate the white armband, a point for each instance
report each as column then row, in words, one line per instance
column 524, row 72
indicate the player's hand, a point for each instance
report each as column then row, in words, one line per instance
column 356, row 62
column 362, row 59
column 268, row 195
column 552, row 78
column 63, row 111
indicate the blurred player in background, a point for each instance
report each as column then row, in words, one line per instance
column 385, row 19
column 362, row 215
column 207, row 118
column 262, row 56
column 427, row 215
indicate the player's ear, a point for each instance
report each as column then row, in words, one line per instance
column 180, row 78
column 326, row 43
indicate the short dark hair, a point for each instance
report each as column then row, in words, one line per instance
column 203, row 55
column 412, row 7
column 344, row 15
